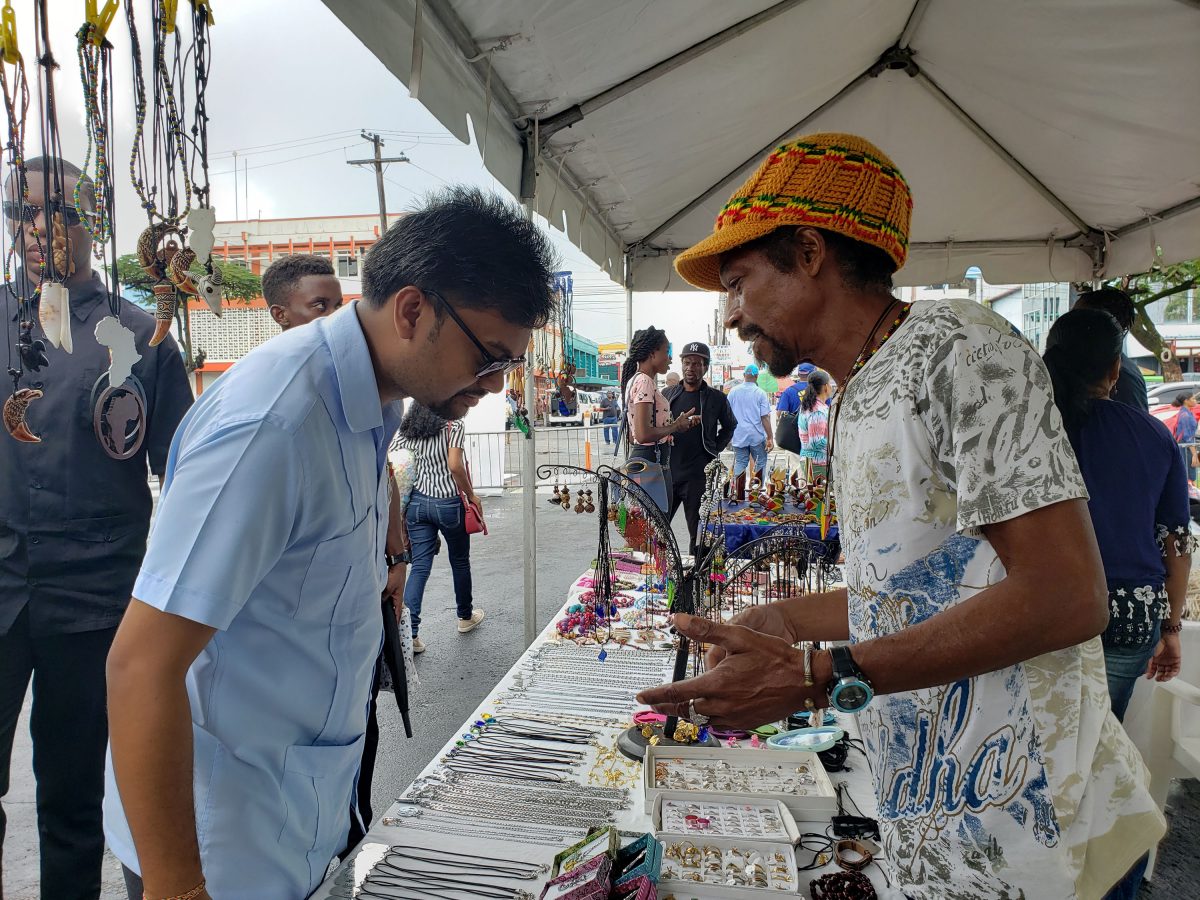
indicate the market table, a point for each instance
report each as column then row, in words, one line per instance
column 740, row 533
column 489, row 837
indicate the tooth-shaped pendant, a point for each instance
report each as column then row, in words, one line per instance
column 53, row 312
column 164, row 311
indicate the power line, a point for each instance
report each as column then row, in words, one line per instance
column 281, row 162
column 316, row 138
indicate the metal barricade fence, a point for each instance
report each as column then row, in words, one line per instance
column 495, row 457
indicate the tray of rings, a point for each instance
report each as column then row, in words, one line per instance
column 795, row 778
column 726, row 867
column 679, row 815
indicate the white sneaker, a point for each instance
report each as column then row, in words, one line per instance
column 465, row 625
column 418, row 646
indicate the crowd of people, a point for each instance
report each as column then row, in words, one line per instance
column 989, row 666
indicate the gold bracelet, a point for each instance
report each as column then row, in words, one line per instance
column 190, row 895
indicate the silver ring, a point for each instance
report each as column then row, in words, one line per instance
column 695, row 717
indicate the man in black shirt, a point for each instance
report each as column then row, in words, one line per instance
column 1131, row 384
column 73, row 525
column 695, row 448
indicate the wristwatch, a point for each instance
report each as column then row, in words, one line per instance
column 399, row 559
column 849, row 692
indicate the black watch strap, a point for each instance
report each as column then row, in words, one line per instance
column 399, row 559
column 843, row 663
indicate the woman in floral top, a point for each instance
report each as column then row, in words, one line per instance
column 1139, row 501
column 813, row 421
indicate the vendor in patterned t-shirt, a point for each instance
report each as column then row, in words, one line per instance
column 975, row 591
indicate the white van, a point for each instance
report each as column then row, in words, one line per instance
column 586, row 411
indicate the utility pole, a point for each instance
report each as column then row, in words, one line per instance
column 378, row 163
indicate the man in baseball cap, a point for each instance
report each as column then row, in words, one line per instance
column 696, row 448
column 982, row 699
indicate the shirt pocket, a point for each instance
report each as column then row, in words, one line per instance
column 317, row 787
column 341, row 584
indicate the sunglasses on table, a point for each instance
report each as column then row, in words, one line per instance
column 19, row 211
column 491, row 363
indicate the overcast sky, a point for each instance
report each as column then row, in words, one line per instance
column 291, row 88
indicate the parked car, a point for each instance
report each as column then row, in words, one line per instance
column 1168, row 391
column 1167, row 413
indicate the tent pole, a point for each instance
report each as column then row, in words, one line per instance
column 628, row 299
column 529, row 493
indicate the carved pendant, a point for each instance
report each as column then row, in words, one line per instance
column 54, row 314
column 14, row 415
column 119, row 416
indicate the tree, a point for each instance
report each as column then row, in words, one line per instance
column 1159, row 283
column 240, row 285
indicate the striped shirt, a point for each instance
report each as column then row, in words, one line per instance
column 431, row 460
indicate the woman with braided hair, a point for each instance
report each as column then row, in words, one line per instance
column 649, row 429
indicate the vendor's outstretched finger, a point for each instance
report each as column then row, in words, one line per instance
column 731, row 638
column 672, row 699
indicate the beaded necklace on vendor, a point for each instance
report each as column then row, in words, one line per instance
column 864, row 356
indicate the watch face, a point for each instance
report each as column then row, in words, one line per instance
column 851, row 696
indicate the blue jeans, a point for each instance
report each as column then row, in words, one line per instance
column 610, row 431
column 427, row 517
column 741, row 459
column 1129, row 886
column 1125, row 665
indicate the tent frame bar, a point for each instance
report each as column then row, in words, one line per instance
column 551, row 125
column 703, row 196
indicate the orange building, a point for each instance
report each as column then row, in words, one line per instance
column 255, row 244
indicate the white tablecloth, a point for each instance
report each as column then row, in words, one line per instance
column 637, row 818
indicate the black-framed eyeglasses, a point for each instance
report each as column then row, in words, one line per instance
column 19, row 211
column 491, row 363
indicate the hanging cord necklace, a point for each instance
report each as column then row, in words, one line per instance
column 869, row 348
column 118, row 399
column 31, row 354
column 160, row 173
column 202, row 219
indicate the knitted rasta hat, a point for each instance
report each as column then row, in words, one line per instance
column 837, row 182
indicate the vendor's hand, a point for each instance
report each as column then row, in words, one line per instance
column 766, row 619
column 760, row 680
column 1167, row 659
column 770, row 444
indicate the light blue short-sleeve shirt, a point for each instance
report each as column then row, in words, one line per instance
column 749, row 404
column 271, row 529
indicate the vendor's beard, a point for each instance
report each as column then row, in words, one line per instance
column 779, row 359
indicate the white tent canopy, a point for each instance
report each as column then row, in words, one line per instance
column 1044, row 141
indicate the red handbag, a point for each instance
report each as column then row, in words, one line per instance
column 472, row 513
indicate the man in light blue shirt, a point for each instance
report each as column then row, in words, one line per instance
column 753, row 434
column 240, row 677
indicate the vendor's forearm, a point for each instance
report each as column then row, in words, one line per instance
column 150, row 728
column 461, row 481
column 818, row 617
column 1178, row 568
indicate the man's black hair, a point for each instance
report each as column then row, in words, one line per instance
column 862, row 266
column 1111, row 300
column 284, row 274
column 476, row 249
column 41, row 164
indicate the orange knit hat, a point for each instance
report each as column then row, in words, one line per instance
column 837, row 182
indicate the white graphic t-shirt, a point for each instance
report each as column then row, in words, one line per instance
column 1020, row 782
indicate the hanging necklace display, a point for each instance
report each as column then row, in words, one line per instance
column 202, row 220
column 160, row 173
column 118, row 400
column 51, row 294
column 31, row 353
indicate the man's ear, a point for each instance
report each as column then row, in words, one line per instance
column 811, row 250
column 279, row 314
column 409, row 304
